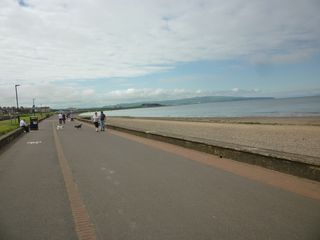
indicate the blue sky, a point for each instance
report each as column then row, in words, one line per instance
column 96, row 53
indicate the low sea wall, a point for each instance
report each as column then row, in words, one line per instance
column 9, row 137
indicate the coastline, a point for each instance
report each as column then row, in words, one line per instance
column 305, row 120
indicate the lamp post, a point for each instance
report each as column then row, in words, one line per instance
column 15, row 86
column 33, row 106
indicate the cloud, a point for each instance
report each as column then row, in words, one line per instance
column 54, row 40
column 53, row 95
column 54, row 47
column 150, row 94
column 88, row 92
column 240, row 92
column 64, row 95
column 22, row 3
column 235, row 89
column 283, row 58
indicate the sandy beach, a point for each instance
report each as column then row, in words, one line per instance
column 298, row 135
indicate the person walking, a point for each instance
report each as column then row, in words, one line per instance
column 95, row 119
column 64, row 118
column 102, row 121
column 60, row 118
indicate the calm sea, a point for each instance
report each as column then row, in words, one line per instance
column 304, row 106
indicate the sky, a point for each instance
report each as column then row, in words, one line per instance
column 81, row 53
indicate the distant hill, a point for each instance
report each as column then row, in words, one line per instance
column 132, row 105
column 207, row 99
column 184, row 101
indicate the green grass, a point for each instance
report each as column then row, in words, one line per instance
column 10, row 125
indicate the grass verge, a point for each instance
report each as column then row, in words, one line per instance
column 12, row 124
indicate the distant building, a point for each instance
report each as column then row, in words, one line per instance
column 43, row 109
column 22, row 110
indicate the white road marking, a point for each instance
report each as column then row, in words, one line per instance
column 34, row 142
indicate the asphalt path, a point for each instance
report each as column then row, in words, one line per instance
column 56, row 184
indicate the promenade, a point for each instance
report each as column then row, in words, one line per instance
column 287, row 144
column 80, row 184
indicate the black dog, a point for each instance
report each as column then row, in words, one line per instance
column 78, row 126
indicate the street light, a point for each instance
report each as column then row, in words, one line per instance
column 15, row 86
column 33, row 106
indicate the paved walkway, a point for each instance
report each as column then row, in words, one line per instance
column 79, row 184
column 297, row 139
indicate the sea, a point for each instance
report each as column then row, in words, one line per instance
column 277, row 107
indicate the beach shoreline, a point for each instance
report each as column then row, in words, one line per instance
column 298, row 135
column 265, row 120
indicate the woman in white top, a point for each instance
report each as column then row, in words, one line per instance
column 95, row 119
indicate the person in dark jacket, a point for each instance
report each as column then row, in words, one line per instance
column 102, row 121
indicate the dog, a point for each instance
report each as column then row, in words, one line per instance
column 59, row 127
column 78, row 126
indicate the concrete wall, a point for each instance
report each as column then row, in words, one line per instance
column 9, row 137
